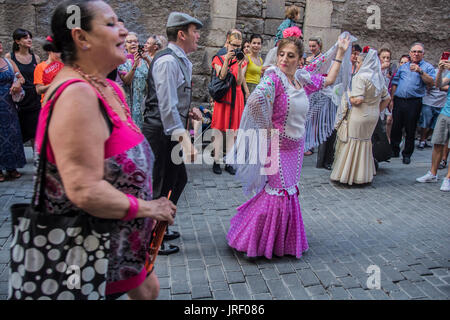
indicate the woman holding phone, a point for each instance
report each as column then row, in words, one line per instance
column 134, row 73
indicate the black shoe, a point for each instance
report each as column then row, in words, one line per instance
column 230, row 170
column 328, row 167
column 171, row 235
column 170, row 250
column 406, row 160
column 216, row 168
column 395, row 154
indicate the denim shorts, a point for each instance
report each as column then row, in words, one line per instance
column 441, row 134
column 429, row 116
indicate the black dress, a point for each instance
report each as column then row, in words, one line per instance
column 12, row 155
column 30, row 106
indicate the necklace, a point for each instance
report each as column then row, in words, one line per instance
column 97, row 84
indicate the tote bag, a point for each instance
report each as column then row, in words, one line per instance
column 56, row 256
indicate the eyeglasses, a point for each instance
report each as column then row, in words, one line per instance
column 235, row 45
column 416, row 51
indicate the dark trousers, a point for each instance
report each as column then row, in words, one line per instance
column 166, row 174
column 405, row 115
column 325, row 155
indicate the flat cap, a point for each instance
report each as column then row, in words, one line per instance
column 177, row 19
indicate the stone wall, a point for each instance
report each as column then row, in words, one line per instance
column 402, row 23
column 263, row 17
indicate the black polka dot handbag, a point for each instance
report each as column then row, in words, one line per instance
column 56, row 256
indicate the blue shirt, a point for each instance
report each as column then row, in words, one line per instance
column 287, row 23
column 446, row 109
column 409, row 83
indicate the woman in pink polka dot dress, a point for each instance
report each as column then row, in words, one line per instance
column 271, row 222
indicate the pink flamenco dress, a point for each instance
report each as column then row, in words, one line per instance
column 268, row 155
column 271, row 222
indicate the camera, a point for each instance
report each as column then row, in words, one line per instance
column 239, row 54
column 141, row 50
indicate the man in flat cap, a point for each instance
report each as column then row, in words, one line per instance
column 167, row 109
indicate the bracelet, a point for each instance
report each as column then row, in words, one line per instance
column 133, row 210
column 340, row 61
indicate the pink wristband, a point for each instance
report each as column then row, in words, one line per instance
column 133, row 210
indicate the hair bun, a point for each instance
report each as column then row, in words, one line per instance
column 57, row 45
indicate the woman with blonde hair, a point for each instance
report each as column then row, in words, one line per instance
column 292, row 15
column 227, row 112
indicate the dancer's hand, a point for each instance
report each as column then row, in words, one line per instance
column 344, row 43
column 160, row 210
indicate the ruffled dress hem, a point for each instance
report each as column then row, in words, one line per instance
column 269, row 225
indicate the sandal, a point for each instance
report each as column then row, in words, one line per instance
column 308, row 153
column 14, row 174
column 443, row 164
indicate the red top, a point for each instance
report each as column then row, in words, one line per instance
column 51, row 71
column 225, row 117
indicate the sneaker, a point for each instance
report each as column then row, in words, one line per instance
column 406, row 160
column 428, row 145
column 442, row 165
column 429, row 177
column 421, row 145
column 445, row 185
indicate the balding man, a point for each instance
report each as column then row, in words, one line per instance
column 408, row 88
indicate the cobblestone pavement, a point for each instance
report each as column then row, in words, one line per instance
column 401, row 226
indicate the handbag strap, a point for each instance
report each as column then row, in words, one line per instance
column 40, row 180
column 10, row 67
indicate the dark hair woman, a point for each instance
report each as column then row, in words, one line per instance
column 255, row 64
column 271, row 223
column 98, row 161
column 12, row 155
column 26, row 61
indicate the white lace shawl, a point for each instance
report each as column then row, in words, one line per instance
column 249, row 154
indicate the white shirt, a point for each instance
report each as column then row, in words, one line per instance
column 297, row 110
column 168, row 77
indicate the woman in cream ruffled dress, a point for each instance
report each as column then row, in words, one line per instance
column 354, row 163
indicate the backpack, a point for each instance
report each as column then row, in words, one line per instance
column 218, row 88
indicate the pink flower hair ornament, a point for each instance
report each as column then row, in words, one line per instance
column 292, row 32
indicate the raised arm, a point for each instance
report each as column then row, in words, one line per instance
column 443, row 65
column 343, row 45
